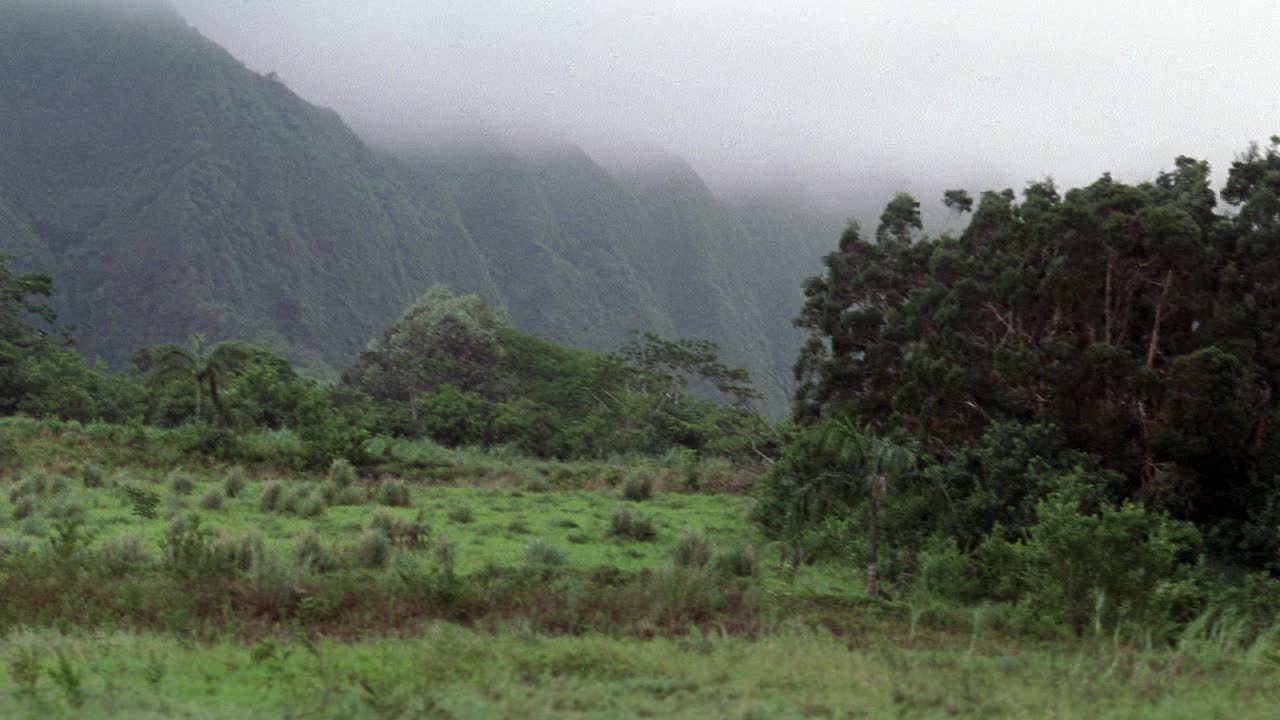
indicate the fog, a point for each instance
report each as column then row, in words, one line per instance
column 823, row 99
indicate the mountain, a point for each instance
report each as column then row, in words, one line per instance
column 171, row 190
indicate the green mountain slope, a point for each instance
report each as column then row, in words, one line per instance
column 170, row 190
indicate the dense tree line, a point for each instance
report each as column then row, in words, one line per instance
column 1111, row 352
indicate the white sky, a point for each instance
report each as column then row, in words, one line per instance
column 828, row 98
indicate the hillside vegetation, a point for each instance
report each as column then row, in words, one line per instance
column 169, row 190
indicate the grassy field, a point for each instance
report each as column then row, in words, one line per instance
column 490, row 586
column 450, row 672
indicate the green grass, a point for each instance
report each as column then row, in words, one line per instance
column 450, row 672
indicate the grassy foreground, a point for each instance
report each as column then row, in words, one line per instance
column 450, row 672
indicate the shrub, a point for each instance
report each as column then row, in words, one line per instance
column 634, row 526
column 312, row 554
column 271, row 496
column 535, row 481
column 240, row 552
column 189, row 550
column 739, row 561
column 122, row 554
column 212, row 500
column 310, row 506
column 542, row 554
column 692, row 550
column 461, row 514
column 394, row 493
column 142, row 502
column 58, row 485
column 23, row 507
column 638, row 487
column 371, row 549
column 181, row 483
column 91, row 475
column 235, row 481
column 342, row 473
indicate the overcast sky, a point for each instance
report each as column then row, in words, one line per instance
column 820, row 96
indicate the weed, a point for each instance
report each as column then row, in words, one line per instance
column 394, row 493
column 70, row 679
column 181, row 483
column 638, row 487
column 212, row 500
column 23, row 507
column 235, row 481
column 154, row 671
column 371, row 549
column 461, row 514
column 312, row 554
column 91, row 475
column 122, row 554
column 739, row 561
column 271, row 496
column 342, row 473
column 542, row 554
column 25, row 669
column 635, row 526
column 692, row 550
column 518, row 527
column 143, row 503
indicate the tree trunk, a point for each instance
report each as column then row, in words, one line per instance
column 1108, row 324
column 1154, row 344
column 413, row 405
column 873, row 549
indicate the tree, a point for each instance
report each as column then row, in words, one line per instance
column 958, row 200
column 900, row 217
column 443, row 339
column 200, row 365
column 828, row 470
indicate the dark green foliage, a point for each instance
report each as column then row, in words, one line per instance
column 90, row 475
column 142, row 502
column 212, row 500
column 461, row 514
column 539, row 554
column 23, row 507
column 632, row 526
column 271, row 498
column 394, row 493
column 371, row 549
column 234, row 482
column 181, row 483
column 1126, row 326
column 692, row 550
column 638, row 487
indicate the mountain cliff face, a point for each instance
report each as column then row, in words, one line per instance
column 170, row 190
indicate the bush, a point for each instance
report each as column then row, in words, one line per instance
column 638, row 487
column 394, row 493
column 122, row 554
column 542, row 554
column 271, row 496
column 535, row 481
column 310, row 506
column 240, row 552
column 312, row 554
column 634, row 526
column 342, row 473
column 181, row 483
column 461, row 514
column 235, row 481
column 692, row 550
column 212, row 500
column 91, row 475
column 142, row 502
column 371, row 549
column 23, row 507
column 739, row 561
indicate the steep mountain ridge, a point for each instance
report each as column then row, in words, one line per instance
column 171, row 190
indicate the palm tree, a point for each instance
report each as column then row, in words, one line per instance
column 206, row 368
column 861, row 463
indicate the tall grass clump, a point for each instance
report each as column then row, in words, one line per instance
column 181, row 483
column 342, row 473
column 23, row 508
column 212, row 500
column 371, row 549
column 691, row 550
column 233, row 484
column 638, row 486
column 540, row 553
column 461, row 514
column 271, row 497
column 632, row 526
column 91, row 476
column 394, row 493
